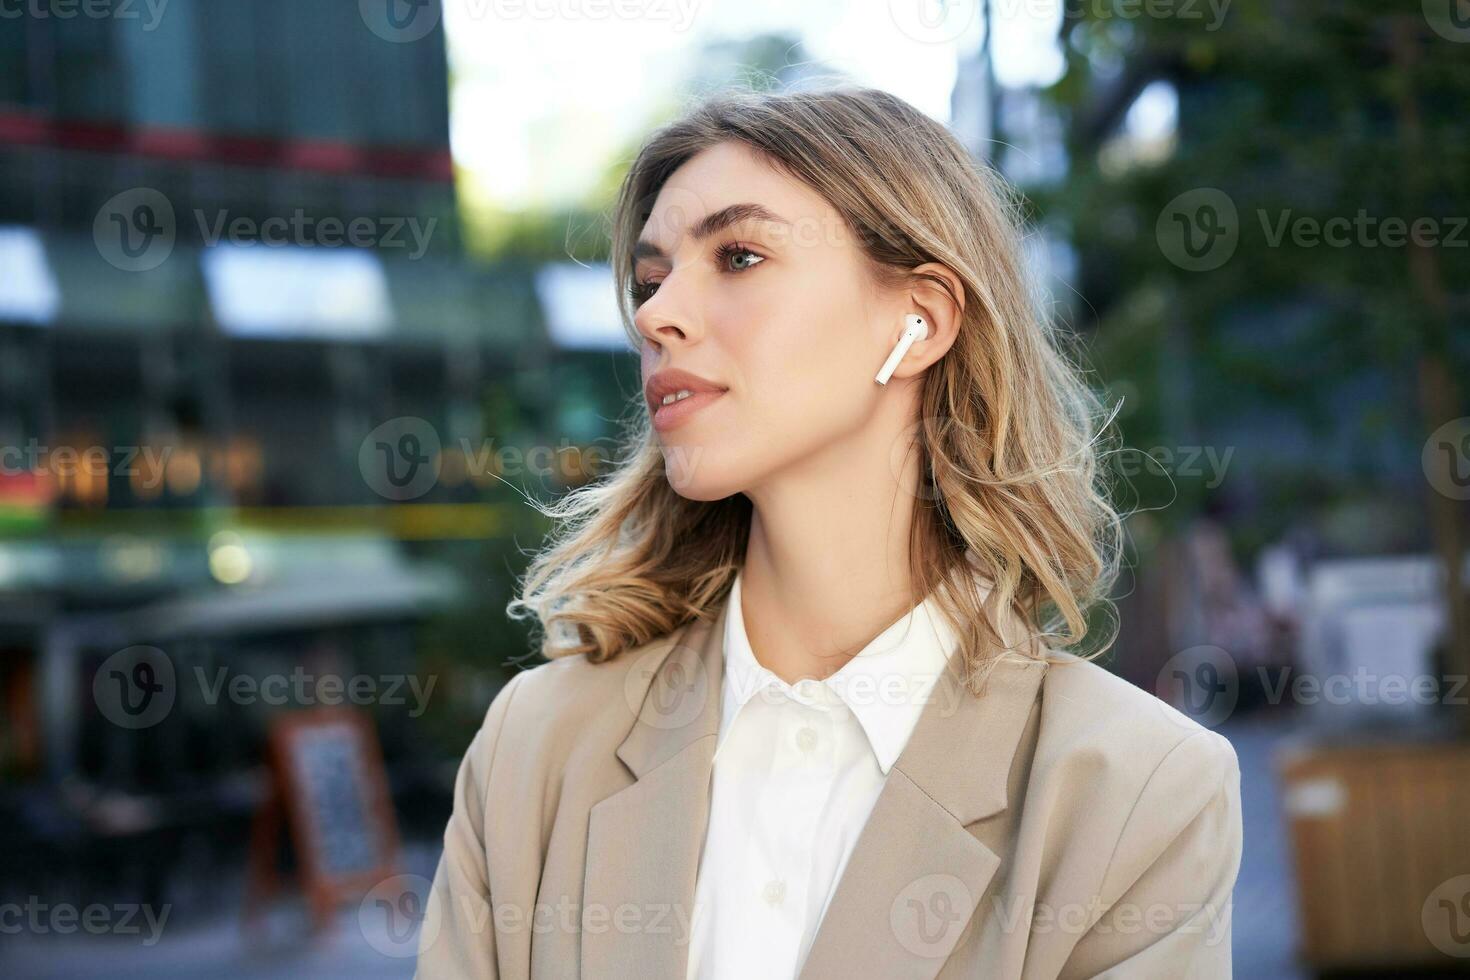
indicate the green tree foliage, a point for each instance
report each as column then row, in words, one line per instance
column 1331, row 130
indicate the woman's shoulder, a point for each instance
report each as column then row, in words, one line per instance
column 546, row 710
column 574, row 684
column 1098, row 727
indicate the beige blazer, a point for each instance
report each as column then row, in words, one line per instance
column 1063, row 824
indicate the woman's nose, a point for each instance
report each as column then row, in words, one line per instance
column 661, row 320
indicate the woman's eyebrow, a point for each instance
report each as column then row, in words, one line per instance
column 714, row 222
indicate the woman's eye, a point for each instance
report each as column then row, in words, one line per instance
column 731, row 256
column 640, row 292
column 739, row 259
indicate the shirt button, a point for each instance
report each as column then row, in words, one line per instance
column 775, row 891
column 806, row 738
column 807, row 688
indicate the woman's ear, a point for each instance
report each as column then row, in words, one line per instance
column 938, row 295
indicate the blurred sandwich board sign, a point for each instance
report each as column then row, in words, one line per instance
column 330, row 785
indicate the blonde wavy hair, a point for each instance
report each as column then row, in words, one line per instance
column 1014, row 520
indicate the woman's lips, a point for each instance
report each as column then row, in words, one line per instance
column 676, row 413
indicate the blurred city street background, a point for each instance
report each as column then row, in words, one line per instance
column 301, row 299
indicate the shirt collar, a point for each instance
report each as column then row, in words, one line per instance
column 886, row 685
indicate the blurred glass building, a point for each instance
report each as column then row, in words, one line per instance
column 230, row 255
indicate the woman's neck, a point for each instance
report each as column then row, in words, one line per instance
column 827, row 563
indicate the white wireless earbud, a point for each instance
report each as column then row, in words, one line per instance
column 914, row 328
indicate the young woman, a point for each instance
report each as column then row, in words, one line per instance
column 810, row 709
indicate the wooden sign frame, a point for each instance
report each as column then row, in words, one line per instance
column 289, row 803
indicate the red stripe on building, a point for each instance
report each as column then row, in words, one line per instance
column 319, row 156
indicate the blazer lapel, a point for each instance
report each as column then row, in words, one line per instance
column 644, row 841
column 916, row 873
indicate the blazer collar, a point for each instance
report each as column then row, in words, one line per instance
column 914, row 855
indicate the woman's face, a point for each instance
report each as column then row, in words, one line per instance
column 774, row 310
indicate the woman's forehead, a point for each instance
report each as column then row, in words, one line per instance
column 729, row 176
column 730, row 172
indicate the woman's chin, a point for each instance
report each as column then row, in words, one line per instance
column 698, row 474
column 703, row 489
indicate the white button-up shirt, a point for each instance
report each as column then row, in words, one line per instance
column 797, row 769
